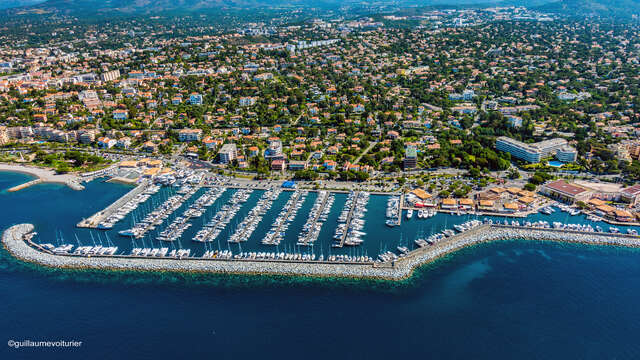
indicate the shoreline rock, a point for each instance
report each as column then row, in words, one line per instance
column 13, row 240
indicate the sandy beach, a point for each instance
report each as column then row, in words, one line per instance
column 43, row 175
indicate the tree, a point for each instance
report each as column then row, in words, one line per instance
column 513, row 173
column 63, row 168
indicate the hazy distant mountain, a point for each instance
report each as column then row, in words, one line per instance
column 154, row 6
column 6, row 4
column 616, row 8
column 115, row 7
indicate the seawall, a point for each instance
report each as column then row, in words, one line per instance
column 15, row 241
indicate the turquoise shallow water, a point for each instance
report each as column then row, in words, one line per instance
column 511, row 299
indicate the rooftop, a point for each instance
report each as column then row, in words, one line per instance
column 566, row 188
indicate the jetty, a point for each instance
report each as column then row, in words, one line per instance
column 17, row 241
column 97, row 218
column 25, row 185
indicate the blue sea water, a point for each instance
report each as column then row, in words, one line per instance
column 504, row 300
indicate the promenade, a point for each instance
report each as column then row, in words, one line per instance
column 43, row 176
column 15, row 241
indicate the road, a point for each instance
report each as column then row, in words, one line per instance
column 365, row 152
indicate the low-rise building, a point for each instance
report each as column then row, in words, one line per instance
column 277, row 165
column 189, row 134
column 566, row 192
column 631, row 194
column 297, row 165
column 106, row 143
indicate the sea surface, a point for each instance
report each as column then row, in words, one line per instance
column 503, row 300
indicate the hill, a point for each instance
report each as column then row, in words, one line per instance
column 116, row 7
column 601, row 8
column 6, row 4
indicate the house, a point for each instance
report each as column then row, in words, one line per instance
column 149, row 146
column 87, row 137
column 622, row 215
column 329, row 165
column 466, row 204
column 209, row 142
column 486, row 205
column 297, row 165
column 420, row 198
column 246, row 101
column 274, row 151
column 277, row 165
column 511, row 207
column 120, row 114
column 189, row 134
column 195, row 99
column 124, row 143
column 253, row 151
column 106, row 143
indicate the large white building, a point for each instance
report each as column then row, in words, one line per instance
column 567, row 154
column 535, row 152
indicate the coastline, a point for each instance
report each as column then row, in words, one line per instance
column 14, row 241
column 42, row 175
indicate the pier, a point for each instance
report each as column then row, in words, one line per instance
column 400, row 207
column 307, row 239
column 149, row 226
column 95, row 219
column 294, row 201
column 355, row 202
column 348, row 222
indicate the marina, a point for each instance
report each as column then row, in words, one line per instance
column 192, row 217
